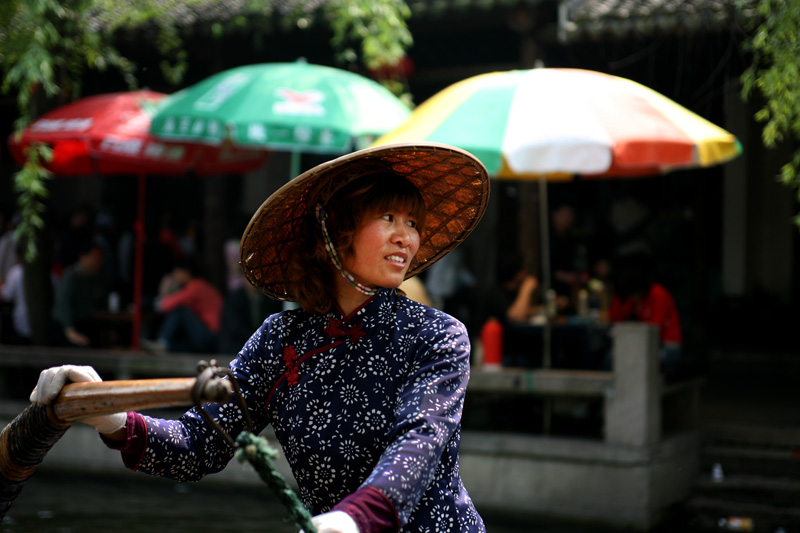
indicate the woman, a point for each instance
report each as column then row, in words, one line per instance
column 363, row 386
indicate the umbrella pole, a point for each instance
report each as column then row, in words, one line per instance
column 544, row 227
column 136, row 326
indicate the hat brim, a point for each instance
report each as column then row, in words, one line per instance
column 453, row 183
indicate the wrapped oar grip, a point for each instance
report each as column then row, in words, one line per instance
column 87, row 399
column 23, row 444
column 27, row 439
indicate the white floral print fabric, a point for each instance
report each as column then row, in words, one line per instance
column 373, row 399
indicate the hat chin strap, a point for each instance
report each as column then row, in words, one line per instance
column 322, row 216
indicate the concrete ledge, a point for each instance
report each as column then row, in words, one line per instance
column 574, row 450
column 544, row 381
column 592, row 482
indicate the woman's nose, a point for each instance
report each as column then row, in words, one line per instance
column 402, row 236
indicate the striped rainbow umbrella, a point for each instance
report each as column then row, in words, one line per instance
column 563, row 122
column 553, row 124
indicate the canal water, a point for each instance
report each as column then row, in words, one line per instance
column 68, row 503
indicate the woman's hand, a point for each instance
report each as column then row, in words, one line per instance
column 52, row 380
column 335, row 522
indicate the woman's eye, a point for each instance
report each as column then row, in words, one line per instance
column 388, row 217
column 412, row 223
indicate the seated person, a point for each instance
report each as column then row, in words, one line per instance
column 193, row 310
column 80, row 291
column 638, row 297
column 514, row 299
column 566, row 264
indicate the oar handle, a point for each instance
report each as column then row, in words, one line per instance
column 87, row 399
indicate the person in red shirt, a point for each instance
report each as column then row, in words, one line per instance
column 193, row 313
column 637, row 297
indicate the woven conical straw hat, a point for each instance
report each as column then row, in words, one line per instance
column 453, row 183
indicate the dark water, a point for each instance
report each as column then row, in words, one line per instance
column 68, row 503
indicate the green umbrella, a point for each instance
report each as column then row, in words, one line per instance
column 296, row 107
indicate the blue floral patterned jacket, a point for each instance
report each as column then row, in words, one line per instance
column 373, row 399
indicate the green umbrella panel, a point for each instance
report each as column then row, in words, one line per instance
column 295, row 107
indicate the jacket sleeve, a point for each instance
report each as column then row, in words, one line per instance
column 189, row 448
column 428, row 417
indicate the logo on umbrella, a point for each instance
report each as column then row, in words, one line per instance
column 299, row 103
column 62, row 124
column 133, row 147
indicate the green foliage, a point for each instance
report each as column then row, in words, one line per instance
column 30, row 184
column 378, row 25
column 47, row 47
column 380, row 28
column 371, row 32
column 774, row 44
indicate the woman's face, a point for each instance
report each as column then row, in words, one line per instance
column 383, row 247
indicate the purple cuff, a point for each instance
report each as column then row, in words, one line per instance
column 132, row 448
column 372, row 511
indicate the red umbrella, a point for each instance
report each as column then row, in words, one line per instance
column 108, row 134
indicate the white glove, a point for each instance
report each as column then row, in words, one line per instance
column 335, row 522
column 52, row 380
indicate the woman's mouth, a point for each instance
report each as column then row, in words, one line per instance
column 397, row 259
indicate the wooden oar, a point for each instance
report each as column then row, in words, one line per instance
column 83, row 400
column 26, row 440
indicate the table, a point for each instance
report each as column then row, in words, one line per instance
column 575, row 343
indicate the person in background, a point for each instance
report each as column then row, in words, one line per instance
column 8, row 244
column 638, row 297
column 192, row 313
column 451, row 286
column 157, row 257
column 245, row 307
column 72, row 238
column 600, row 286
column 13, row 292
column 566, row 263
column 81, row 291
column 363, row 386
column 515, row 299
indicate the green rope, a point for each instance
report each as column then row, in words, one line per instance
column 258, row 452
